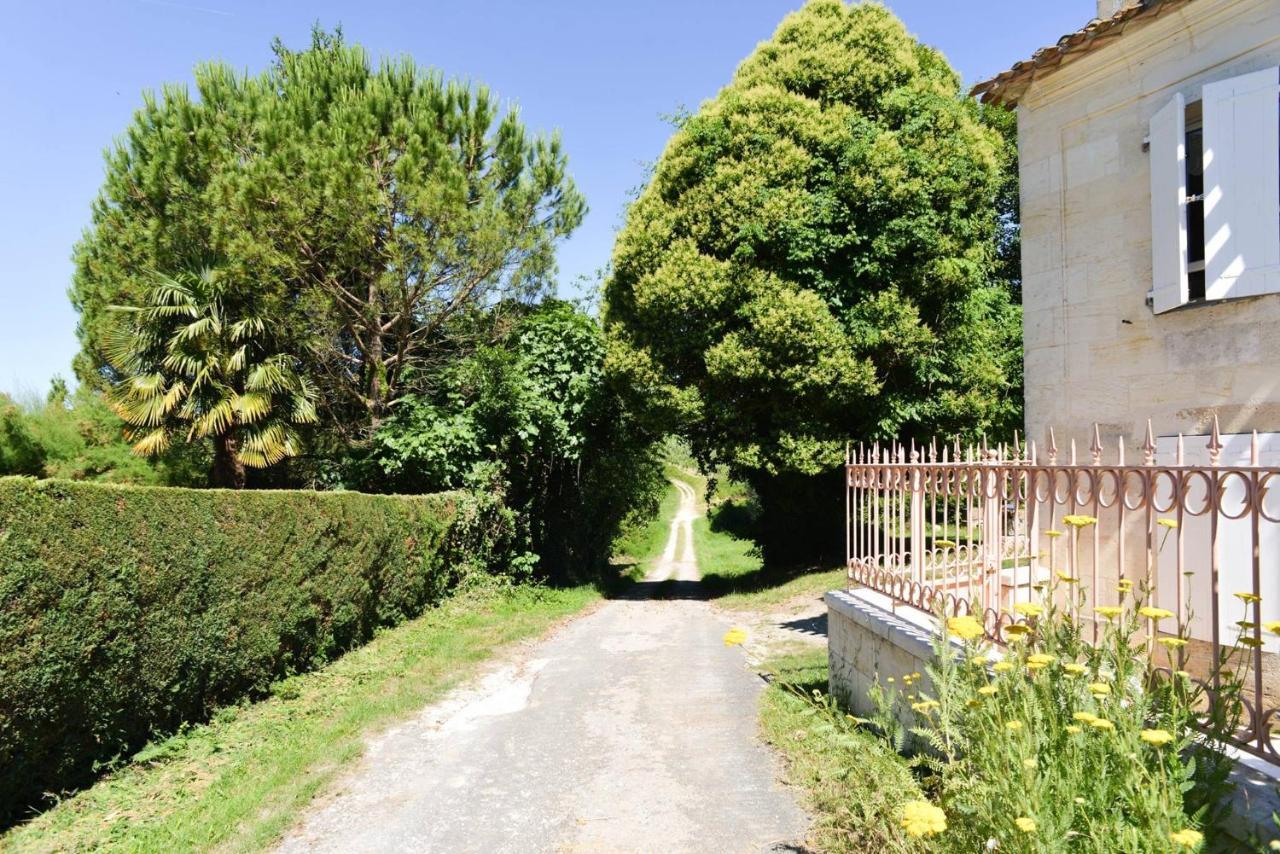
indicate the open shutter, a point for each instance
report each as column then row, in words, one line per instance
column 1242, row 185
column 1167, row 147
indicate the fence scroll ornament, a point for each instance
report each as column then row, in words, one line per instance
column 979, row 529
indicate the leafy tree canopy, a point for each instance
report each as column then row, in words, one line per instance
column 363, row 206
column 531, row 417
column 816, row 257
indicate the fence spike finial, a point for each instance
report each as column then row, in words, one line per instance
column 1052, row 450
column 1120, row 450
column 1031, row 451
column 1149, row 447
column 1180, row 457
column 1253, row 449
column 1095, row 447
column 1073, row 450
column 1017, row 448
column 933, row 450
column 1215, row 442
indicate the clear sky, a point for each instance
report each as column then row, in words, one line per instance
column 602, row 72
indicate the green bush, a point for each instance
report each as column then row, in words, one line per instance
column 127, row 611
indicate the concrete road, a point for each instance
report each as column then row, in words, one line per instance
column 630, row 729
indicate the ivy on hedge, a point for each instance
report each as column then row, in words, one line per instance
column 128, row 611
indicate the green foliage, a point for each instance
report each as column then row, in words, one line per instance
column 530, row 419
column 130, row 611
column 1079, row 741
column 364, row 207
column 78, row 437
column 854, row 783
column 198, row 359
column 817, row 256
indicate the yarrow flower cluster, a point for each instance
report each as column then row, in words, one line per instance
column 965, row 627
column 921, row 819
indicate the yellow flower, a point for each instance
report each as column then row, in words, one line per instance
column 1002, row 666
column 1029, row 762
column 1154, row 613
column 1172, row 643
column 1167, row 523
column 1186, row 837
column 1026, row 825
column 1184, row 674
column 1124, row 585
column 915, row 675
column 735, row 637
column 1247, row 597
column 987, row 690
column 921, row 818
column 1016, row 632
column 889, row 680
column 1156, row 737
column 1078, row 522
column 1066, row 578
column 1108, row 611
column 925, row 705
column 1074, row 669
column 1099, row 689
column 1053, row 533
column 1085, row 717
column 1013, row 726
column 972, row 704
column 965, row 627
column 944, row 544
column 1073, row 729
column 1102, row 723
column 1272, row 626
column 1029, row 609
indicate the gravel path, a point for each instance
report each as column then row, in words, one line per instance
column 630, row 729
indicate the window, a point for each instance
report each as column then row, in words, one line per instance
column 1195, row 202
column 1215, row 193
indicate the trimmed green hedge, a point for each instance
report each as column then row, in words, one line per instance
column 127, row 611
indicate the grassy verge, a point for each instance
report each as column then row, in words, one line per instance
column 237, row 782
column 854, row 783
column 737, row 578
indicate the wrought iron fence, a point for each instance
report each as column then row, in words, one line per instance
column 1194, row 524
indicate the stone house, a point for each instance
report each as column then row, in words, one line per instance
column 1149, row 150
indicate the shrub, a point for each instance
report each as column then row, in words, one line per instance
column 126, row 611
column 1068, row 744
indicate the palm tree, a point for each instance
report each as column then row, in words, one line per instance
column 197, row 362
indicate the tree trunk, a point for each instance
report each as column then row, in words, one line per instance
column 228, row 469
column 377, row 369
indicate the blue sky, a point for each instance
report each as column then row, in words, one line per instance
column 602, row 72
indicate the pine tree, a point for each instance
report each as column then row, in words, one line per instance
column 369, row 206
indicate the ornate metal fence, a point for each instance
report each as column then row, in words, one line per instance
column 1194, row 524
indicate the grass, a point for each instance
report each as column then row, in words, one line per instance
column 854, row 783
column 239, row 781
column 734, row 572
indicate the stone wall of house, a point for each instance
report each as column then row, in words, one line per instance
column 1094, row 350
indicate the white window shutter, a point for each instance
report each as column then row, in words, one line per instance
column 1168, row 152
column 1242, row 185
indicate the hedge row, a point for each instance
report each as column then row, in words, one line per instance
column 127, row 611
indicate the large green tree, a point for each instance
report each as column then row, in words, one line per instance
column 531, row 418
column 364, row 205
column 817, row 258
